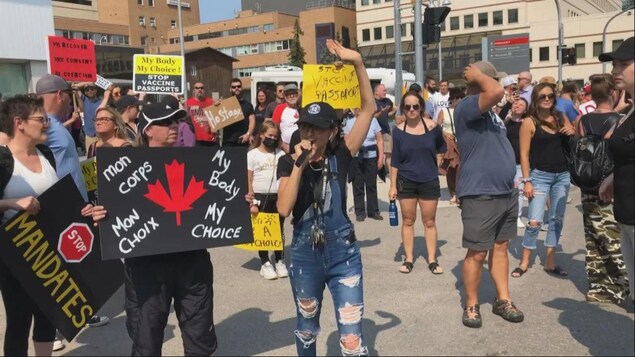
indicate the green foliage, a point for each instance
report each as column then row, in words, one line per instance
column 297, row 53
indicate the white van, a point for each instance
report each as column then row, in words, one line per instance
column 268, row 78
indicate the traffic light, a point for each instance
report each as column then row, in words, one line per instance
column 568, row 55
column 431, row 34
column 435, row 15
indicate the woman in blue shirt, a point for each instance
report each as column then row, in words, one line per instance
column 414, row 179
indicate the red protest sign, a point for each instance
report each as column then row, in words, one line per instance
column 73, row 60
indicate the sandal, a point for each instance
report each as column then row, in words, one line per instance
column 407, row 266
column 518, row 272
column 435, row 268
column 557, row 271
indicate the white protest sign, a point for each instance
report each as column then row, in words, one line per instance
column 102, row 82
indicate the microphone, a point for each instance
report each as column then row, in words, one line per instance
column 302, row 158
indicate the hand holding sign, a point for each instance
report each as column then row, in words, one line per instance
column 223, row 113
column 326, row 83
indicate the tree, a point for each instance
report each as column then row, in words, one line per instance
column 296, row 53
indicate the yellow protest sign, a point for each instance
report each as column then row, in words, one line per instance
column 326, row 83
column 89, row 171
column 267, row 233
column 158, row 74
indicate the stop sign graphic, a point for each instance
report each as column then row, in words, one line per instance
column 75, row 242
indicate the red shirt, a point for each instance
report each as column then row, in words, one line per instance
column 202, row 131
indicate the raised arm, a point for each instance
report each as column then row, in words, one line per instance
column 491, row 92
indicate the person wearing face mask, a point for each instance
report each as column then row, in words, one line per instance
column 153, row 282
column 262, row 162
column 513, row 120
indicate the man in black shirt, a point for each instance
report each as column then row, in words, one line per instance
column 239, row 133
column 385, row 110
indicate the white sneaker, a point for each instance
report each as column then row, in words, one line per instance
column 281, row 269
column 58, row 344
column 97, row 321
column 519, row 223
column 267, row 271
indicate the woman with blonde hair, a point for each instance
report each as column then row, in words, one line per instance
column 110, row 129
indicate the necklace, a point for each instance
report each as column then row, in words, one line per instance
column 313, row 168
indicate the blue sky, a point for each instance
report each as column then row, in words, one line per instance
column 216, row 10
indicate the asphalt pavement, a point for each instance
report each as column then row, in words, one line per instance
column 405, row 314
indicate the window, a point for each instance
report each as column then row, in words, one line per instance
column 144, row 40
column 142, row 21
column 597, row 48
column 531, row 54
column 616, row 44
column 150, row 3
column 580, row 50
column 153, row 22
column 376, row 1
column 390, row 31
column 364, row 2
column 153, row 40
column 483, row 19
column 193, row 70
column 276, row 46
column 173, row 24
column 268, row 27
column 366, row 35
column 377, row 33
column 468, row 22
column 139, row 2
column 403, row 30
column 454, row 23
column 512, row 16
column 497, row 17
column 544, row 54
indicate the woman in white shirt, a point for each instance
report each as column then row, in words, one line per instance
column 30, row 170
column 262, row 163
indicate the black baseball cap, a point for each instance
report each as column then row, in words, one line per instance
column 171, row 102
column 623, row 53
column 127, row 101
column 156, row 112
column 319, row 114
column 415, row 87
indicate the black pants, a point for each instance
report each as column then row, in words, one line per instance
column 151, row 285
column 20, row 310
column 206, row 143
column 268, row 205
column 364, row 172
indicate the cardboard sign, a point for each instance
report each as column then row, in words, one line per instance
column 73, row 60
column 102, row 82
column 56, row 257
column 226, row 113
column 267, row 233
column 166, row 200
column 158, row 74
column 326, row 83
column 89, row 172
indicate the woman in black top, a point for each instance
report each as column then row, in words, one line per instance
column 313, row 188
column 513, row 121
column 545, row 174
column 605, row 268
column 262, row 101
column 621, row 185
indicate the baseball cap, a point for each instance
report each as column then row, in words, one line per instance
column 624, row 52
column 319, row 114
column 156, row 112
column 170, row 101
column 126, row 101
column 488, row 69
column 548, row 79
column 50, row 83
column 291, row 87
column 415, row 87
column 508, row 81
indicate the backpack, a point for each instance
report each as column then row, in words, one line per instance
column 7, row 162
column 589, row 161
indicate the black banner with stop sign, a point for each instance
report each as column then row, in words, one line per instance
column 56, row 256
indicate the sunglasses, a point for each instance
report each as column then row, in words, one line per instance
column 100, row 119
column 199, row 87
column 90, row 88
column 551, row 96
column 409, row 107
column 236, row 87
column 166, row 122
column 116, row 94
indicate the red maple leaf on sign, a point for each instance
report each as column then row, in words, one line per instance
column 180, row 198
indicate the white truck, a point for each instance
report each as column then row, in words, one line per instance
column 288, row 74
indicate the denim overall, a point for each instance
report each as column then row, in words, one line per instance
column 337, row 263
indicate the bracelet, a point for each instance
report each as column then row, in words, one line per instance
column 525, row 179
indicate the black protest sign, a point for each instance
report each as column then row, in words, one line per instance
column 56, row 256
column 167, row 200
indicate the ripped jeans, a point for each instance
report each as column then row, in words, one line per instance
column 554, row 186
column 338, row 265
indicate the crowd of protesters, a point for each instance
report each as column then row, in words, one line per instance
column 500, row 140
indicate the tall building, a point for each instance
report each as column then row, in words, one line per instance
column 472, row 20
column 292, row 7
column 260, row 40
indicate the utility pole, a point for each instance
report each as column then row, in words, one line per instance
column 419, row 73
column 398, row 67
column 185, row 89
column 560, row 43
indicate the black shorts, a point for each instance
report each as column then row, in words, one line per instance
column 430, row 190
column 488, row 219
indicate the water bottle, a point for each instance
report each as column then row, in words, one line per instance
column 393, row 214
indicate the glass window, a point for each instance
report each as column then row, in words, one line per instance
column 377, row 33
column 193, row 70
column 14, row 79
column 454, row 23
column 142, row 21
column 468, row 21
column 366, row 35
column 597, row 48
column 390, row 31
column 403, row 30
column 497, row 17
column 144, row 40
column 268, row 27
column 483, row 19
column 376, row 1
column 512, row 16
column 151, row 3
column 173, row 24
column 544, row 54
column 364, row 2
column 153, row 22
column 139, row 2
column 580, row 50
column 531, row 54
column 616, row 44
